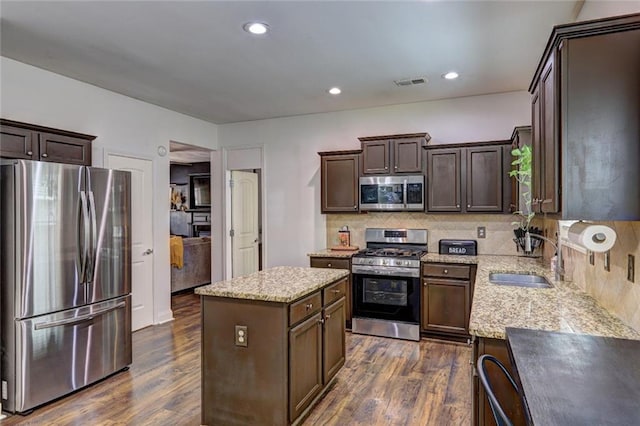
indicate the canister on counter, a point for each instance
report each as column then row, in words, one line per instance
column 344, row 236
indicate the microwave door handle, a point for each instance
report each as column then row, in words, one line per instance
column 404, row 193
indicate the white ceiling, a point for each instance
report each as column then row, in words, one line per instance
column 194, row 57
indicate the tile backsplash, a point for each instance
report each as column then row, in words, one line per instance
column 499, row 238
column 610, row 288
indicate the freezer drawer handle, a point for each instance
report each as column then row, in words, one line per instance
column 77, row 320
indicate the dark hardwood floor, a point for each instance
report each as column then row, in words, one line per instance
column 384, row 382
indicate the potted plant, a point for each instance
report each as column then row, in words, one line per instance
column 522, row 173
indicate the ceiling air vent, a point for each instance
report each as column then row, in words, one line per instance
column 410, row 81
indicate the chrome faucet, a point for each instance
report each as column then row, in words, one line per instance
column 558, row 247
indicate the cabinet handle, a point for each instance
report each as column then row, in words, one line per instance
column 327, row 317
column 45, row 155
column 329, row 265
column 321, row 320
column 336, row 291
column 309, row 306
column 29, row 153
column 355, row 207
column 386, row 168
column 446, row 271
column 468, row 206
column 458, row 205
column 396, row 167
column 546, row 201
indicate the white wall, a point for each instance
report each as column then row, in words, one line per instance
column 122, row 124
column 602, row 9
column 294, row 225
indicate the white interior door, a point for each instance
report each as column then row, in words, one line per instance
column 141, row 236
column 244, row 222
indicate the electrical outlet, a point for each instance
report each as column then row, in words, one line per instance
column 482, row 232
column 242, row 335
column 631, row 267
column 592, row 258
column 607, row 260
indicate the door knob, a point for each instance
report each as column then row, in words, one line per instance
column 147, row 252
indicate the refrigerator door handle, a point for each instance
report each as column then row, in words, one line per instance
column 83, row 240
column 94, row 237
column 78, row 320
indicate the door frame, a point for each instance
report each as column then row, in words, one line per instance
column 158, row 317
column 226, row 258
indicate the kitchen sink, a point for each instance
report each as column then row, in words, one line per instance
column 519, row 280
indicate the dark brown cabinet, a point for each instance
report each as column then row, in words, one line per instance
column 467, row 178
column 305, row 364
column 317, row 350
column 339, row 172
column 446, row 298
column 508, row 397
column 31, row 142
column 383, row 155
column 337, row 263
column 585, row 127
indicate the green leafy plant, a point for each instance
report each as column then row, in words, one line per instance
column 522, row 173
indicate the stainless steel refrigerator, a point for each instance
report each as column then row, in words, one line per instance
column 65, row 240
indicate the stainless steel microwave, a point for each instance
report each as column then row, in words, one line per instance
column 397, row 193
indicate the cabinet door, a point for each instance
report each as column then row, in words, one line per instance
column 484, row 179
column 549, row 184
column 375, row 157
column 305, row 364
column 537, row 154
column 333, row 345
column 17, row 143
column 407, row 155
column 64, row 149
column 443, row 168
column 339, row 183
column 446, row 305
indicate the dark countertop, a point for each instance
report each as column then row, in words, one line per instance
column 573, row 379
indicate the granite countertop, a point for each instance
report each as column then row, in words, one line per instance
column 565, row 307
column 280, row 284
column 333, row 253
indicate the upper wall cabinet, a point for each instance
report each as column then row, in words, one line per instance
column 339, row 172
column 32, row 142
column 383, row 155
column 469, row 178
column 585, row 125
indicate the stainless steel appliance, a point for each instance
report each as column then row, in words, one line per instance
column 392, row 193
column 386, row 283
column 65, row 238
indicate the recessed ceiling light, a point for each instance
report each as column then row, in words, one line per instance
column 335, row 91
column 450, row 75
column 257, row 28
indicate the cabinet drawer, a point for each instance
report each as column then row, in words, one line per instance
column 335, row 292
column 329, row 262
column 304, row 308
column 446, row 270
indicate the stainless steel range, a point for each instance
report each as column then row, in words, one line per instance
column 386, row 283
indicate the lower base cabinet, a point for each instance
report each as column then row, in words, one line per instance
column 289, row 354
column 447, row 291
column 509, row 399
column 317, row 352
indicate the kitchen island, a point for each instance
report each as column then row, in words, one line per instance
column 272, row 343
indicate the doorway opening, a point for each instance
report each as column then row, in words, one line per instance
column 190, row 216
